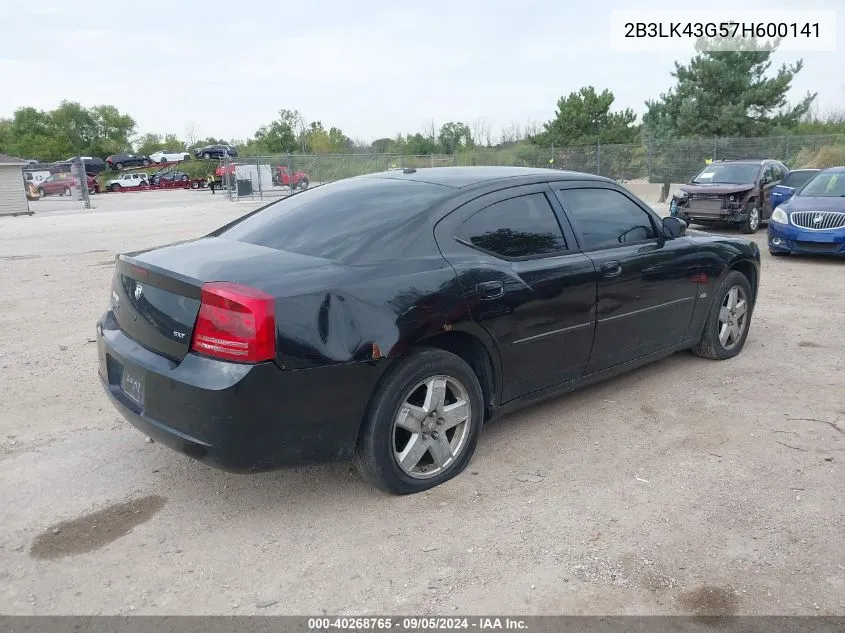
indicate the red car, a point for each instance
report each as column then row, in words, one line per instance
column 63, row 184
column 281, row 176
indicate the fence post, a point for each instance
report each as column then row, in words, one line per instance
column 318, row 169
column 714, row 147
column 649, row 150
column 598, row 157
column 431, row 158
column 552, row 156
column 258, row 171
column 290, row 173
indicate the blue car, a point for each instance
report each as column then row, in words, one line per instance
column 796, row 179
column 813, row 219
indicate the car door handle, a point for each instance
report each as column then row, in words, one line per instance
column 611, row 269
column 490, row 289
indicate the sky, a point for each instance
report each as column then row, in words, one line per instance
column 374, row 68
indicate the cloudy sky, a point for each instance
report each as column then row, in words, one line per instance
column 372, row 67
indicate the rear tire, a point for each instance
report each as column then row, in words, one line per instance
column 429, row 381
column 66, row 192
column 145, row 162
column 163, row 161
column 726, row 329
column 119, row 166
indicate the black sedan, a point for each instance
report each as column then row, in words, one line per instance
column 121, row 161
column 215, row 151
column 386, row 317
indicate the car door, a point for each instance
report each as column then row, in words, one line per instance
column 646, row 283
column 768, row 181
column 525, row 283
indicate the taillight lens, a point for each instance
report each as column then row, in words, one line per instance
column 235, row 323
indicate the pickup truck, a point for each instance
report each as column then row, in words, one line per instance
column 128, row 181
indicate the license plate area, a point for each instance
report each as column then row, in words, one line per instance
column 132, row 385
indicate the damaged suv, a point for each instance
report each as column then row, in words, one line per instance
column 730, row 191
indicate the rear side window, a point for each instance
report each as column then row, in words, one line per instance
column 606, row 218
column 367, row 219
column 519, row 227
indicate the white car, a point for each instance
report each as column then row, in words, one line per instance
column 169, row 156
column 128, row 181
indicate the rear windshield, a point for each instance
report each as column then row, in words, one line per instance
column 364, row 219
column 797, row 179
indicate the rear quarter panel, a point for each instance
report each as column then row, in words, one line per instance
column 336, row 314
column 717, row 256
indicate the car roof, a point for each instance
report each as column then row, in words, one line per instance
column 747, row 161
column 839, row 169
column 459, row 177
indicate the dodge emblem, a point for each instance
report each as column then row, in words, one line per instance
column 138, row 290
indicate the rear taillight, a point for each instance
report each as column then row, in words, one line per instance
column 235, row 323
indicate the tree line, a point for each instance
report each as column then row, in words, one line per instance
column 717, row 93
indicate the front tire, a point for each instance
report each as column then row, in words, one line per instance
column 207, row 156
column 729, row 319
column 422, row 424
column 752, row 219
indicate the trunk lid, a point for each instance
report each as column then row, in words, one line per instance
column 156, row 294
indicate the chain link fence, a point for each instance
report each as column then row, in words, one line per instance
column 655, row 161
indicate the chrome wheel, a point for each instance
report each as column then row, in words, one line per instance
column 754, row 219
column 432, row 427
column 733, row 317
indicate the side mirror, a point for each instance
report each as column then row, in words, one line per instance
column 673, row 227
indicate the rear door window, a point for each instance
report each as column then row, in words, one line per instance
column 524, row 226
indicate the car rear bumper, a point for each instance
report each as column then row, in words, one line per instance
column 235, row 417
column 788, row 238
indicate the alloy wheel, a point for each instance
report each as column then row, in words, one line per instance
column 733, row 317
column 754, row 219
column 432, row 427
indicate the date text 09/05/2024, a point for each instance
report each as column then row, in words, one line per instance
column 432, row 623
column 721, row 29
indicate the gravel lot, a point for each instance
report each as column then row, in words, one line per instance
column 689, row 486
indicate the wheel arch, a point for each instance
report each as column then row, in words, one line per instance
column 749, row 269
column 472, row 350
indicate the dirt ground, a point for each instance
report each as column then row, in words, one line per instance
column 689, row 486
